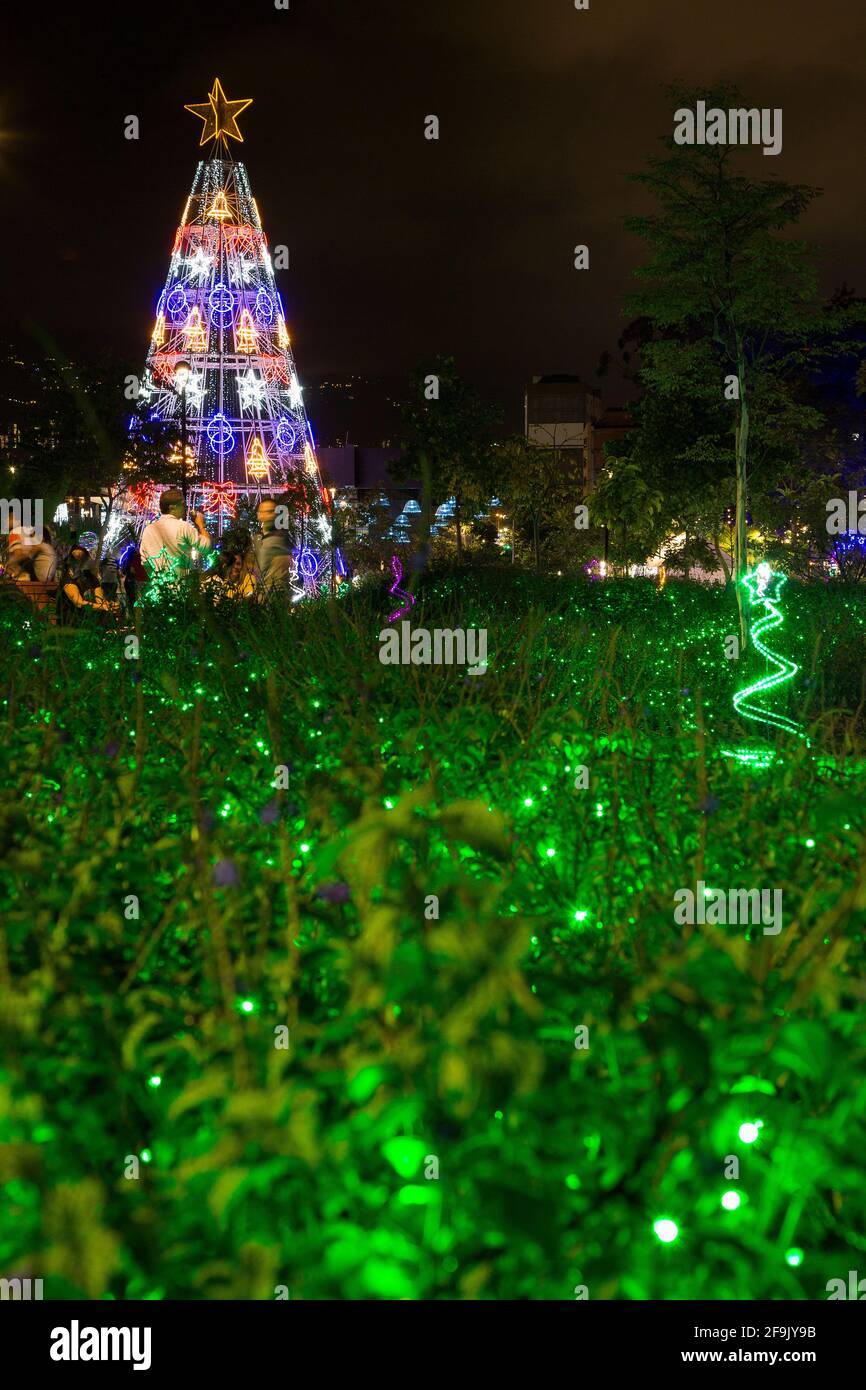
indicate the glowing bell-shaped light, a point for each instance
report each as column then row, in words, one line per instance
column 194, row 332
column 257, row 462
column 219, row 208
column 246, row 339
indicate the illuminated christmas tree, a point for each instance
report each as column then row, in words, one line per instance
column 220, row 364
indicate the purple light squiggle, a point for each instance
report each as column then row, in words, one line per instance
column 397, row 570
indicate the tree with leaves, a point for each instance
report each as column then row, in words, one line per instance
column 723, row 283
column 538, row 488
column 447, row 438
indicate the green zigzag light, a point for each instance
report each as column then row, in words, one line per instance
column 764, row 586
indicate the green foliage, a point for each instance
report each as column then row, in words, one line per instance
column 418, row 1035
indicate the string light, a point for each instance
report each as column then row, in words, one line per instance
column 397, row 570
column 763, row 585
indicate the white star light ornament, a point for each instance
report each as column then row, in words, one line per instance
column 200, row 266
column 194, row 388
column 295, row 393
column 252, row 390
column 241, row 271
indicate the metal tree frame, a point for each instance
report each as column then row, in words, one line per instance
column 220, row 310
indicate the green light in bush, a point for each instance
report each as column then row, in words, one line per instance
column 404, row 1154
column 666, row 1230
column 145, row 1156
column 581, row 914
column 154, row 1081
column 731, row 1200
column 246, row 1006
column 749, row 1131
column 794, row 1256
column 414, row 1195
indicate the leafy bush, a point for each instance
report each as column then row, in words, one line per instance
column 431, row 1130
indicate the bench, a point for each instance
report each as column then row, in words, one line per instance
column 42, row 595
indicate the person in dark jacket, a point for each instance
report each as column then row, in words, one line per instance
column 80, row 591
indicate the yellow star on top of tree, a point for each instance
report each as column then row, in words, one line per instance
column 219, row 115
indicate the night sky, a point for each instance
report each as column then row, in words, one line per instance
column 400, row 247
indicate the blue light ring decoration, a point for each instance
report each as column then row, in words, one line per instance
column 222, row 305
column 307, row 562
column 177, row 304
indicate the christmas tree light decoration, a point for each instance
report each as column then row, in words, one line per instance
column 246, row 338
column 219, row 208
column 274, row 369
column 251, row 389
column 195, row 336
column 764, row 585
column 221, row 312
column 395, row 590
column 221, row 303
column 220, row 435
column 145, row 497
column 307, row 561
column 286, row 434
column 241, row 273
column 199, row 266
column 177, row 304
column 241, row 242
column 264, row 308
column 257, row 462
column 220, row 115
column 219, row 499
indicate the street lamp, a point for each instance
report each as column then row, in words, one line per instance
column 181, row 379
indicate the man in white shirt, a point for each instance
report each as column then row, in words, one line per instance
column 165, row 540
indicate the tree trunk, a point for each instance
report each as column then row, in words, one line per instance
column 720, row 556
column 741, row 449
column 110, row 499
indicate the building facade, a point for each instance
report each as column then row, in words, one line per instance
column 560, row 412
